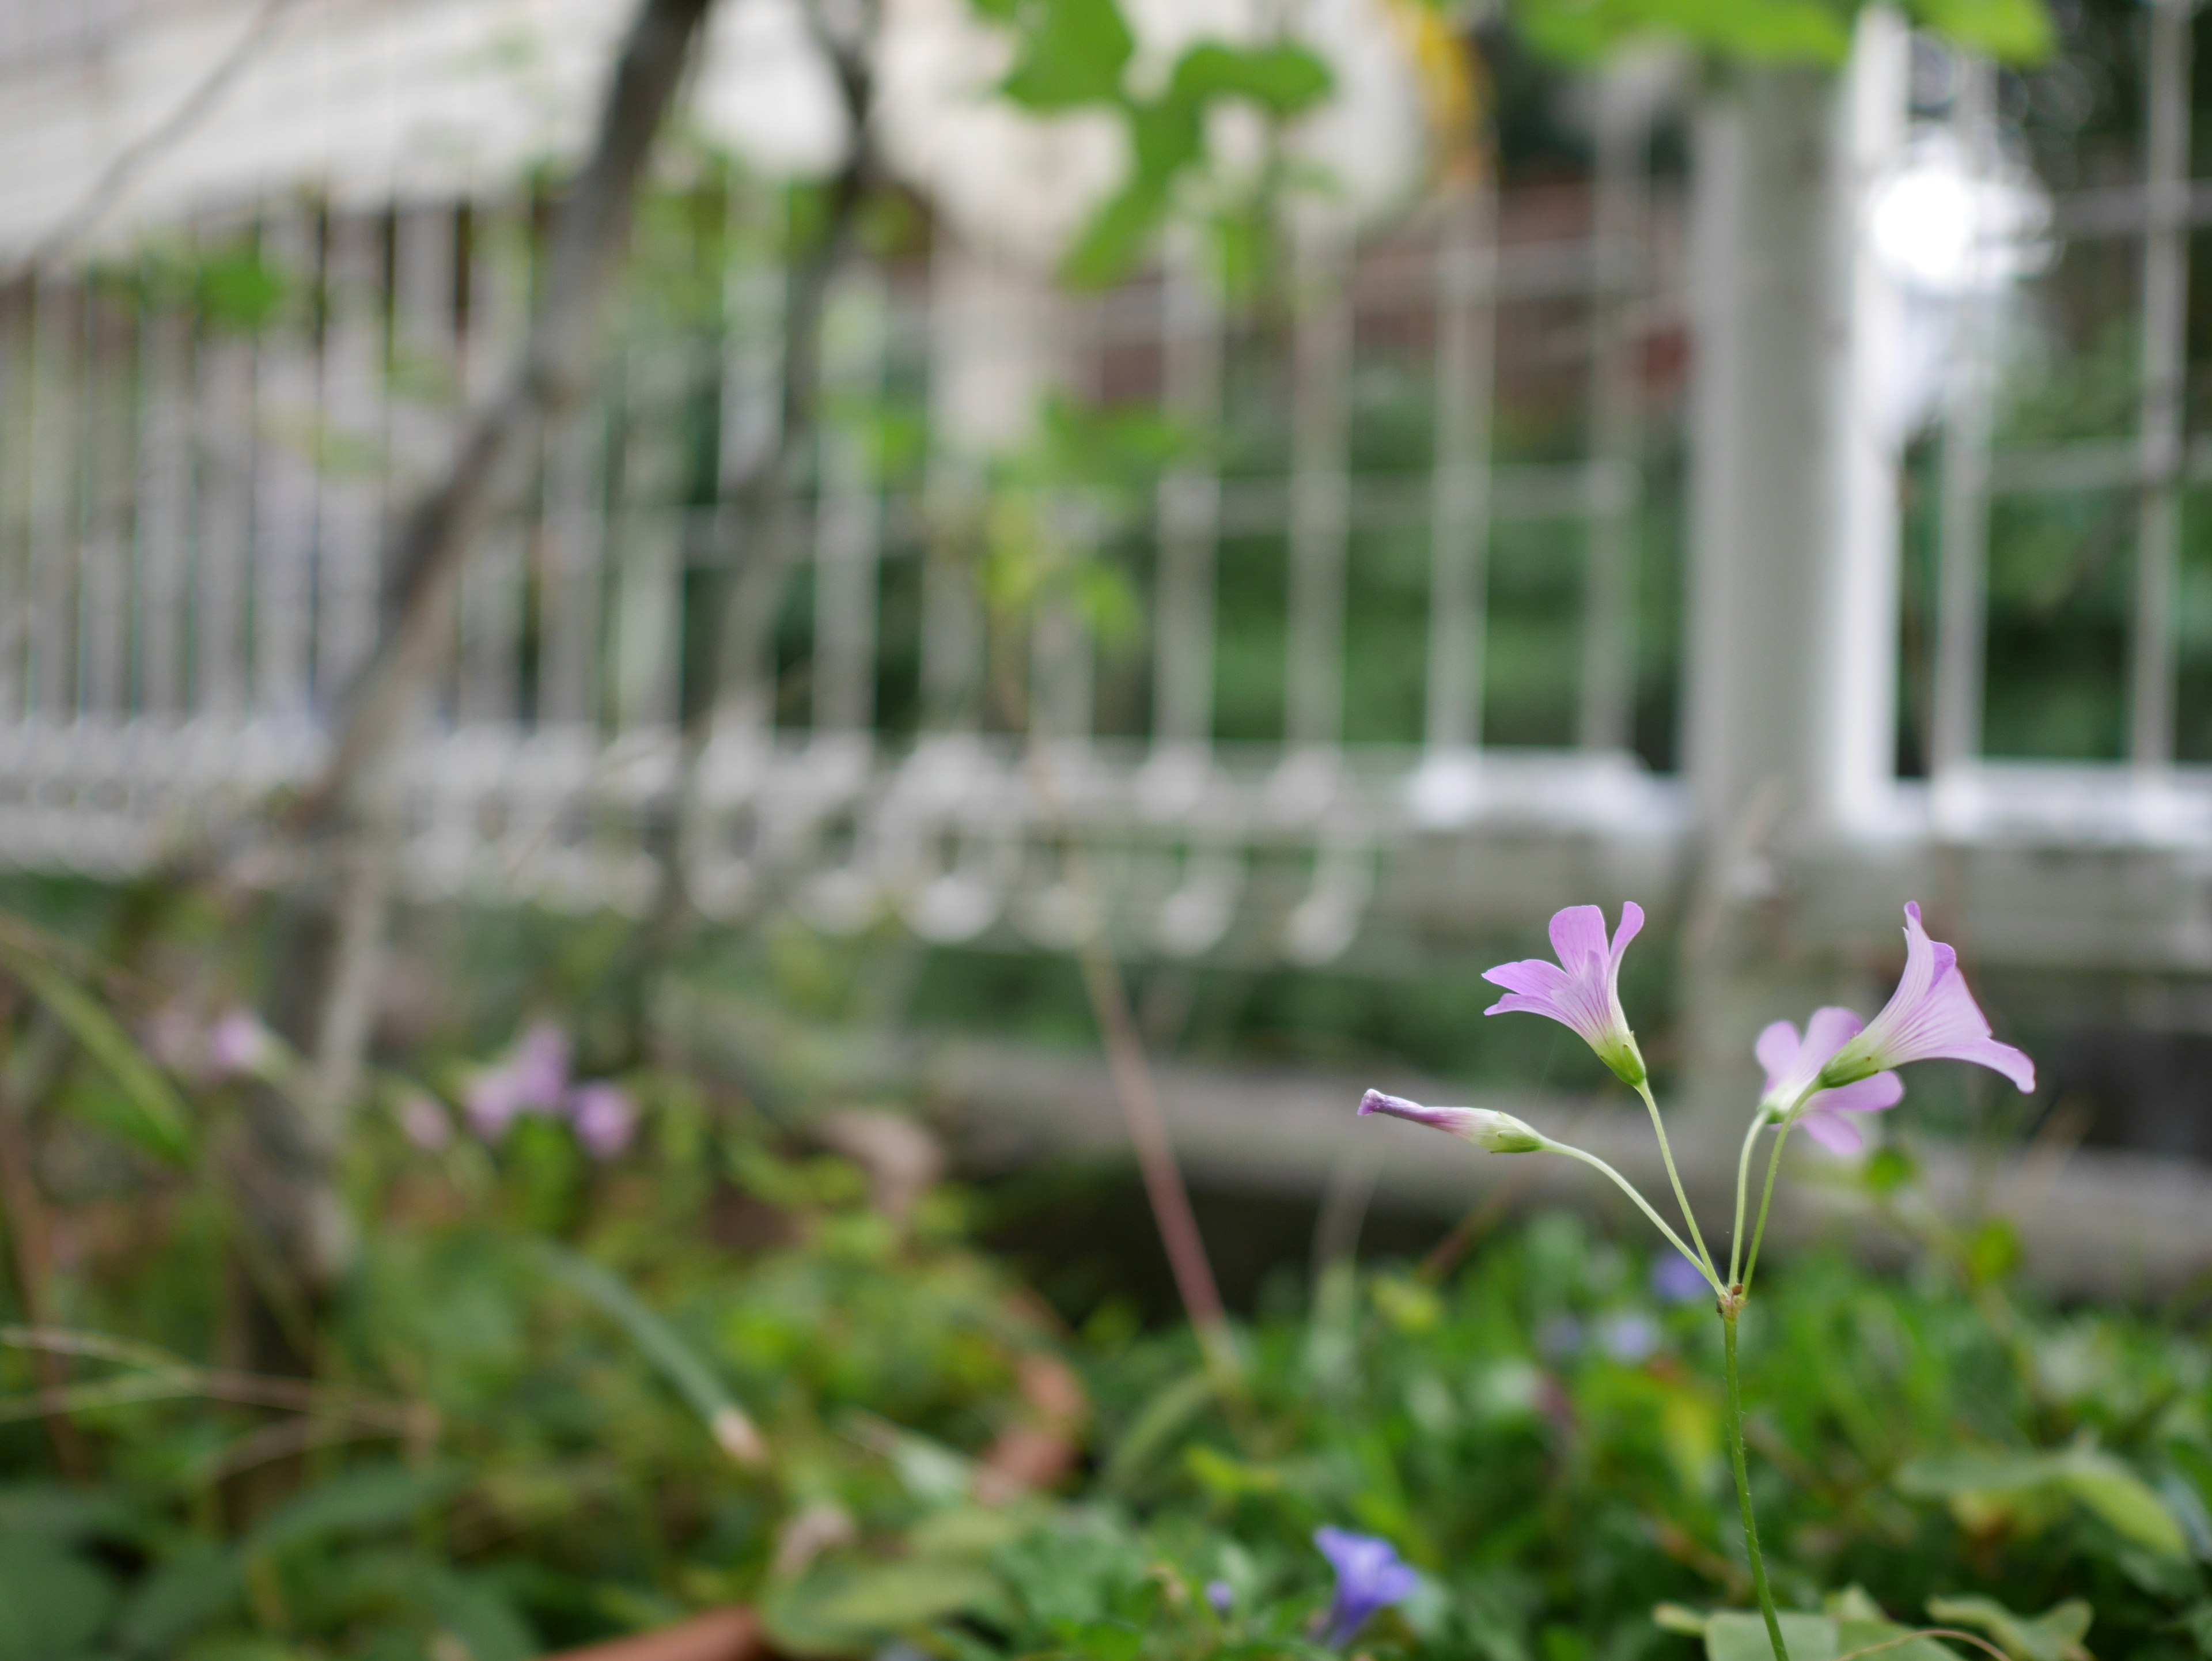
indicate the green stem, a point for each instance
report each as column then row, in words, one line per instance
column 1767, row 1197
column 1702, row 1265
column 1667, row 1154
column 1729, row 1313
column 1742, row 1177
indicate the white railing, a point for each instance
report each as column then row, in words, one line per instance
column 191, row 516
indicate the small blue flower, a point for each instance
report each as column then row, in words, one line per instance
column 1369, row 1577
column 1676, row 1280
column 1629, row 1337
column 1222, row 1595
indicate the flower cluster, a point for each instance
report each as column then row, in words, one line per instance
column 533, row 1077
column 1838, row 1068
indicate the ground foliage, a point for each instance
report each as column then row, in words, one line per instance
column 509, row 1440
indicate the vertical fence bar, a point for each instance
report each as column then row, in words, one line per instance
column 753, row 302
column 1961, row 601
column 17, row 356
column 1466, row 327
column 424, row 371
column 164, row 499
column 649, row 540
column 491, row 585
column 1608, row 678
column 848, row 523
column 350, row 531
column 2160, row 414
column 223, row 519
column 574, row 547
column 58, row 341
column 287, row 422
column 1321, row 366
column 1189, row 501
column 107, row 441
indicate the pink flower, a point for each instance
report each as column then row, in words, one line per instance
column 237, row 1043
column 1501, row 1133
column 1931, row 1017
column 1582, row 990
column 539, row 1067
column 424, row 1121
column 1793, row 1063
column 603, row 1116
column 532, row 1079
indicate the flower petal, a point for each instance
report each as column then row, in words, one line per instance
column 1777, row 1050
column 1875, row 1095
column 1631, row 925
column 1833, row 1131
column 1532, row 977
column 1578, row 936
column 1829, row 1030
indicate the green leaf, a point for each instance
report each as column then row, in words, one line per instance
column 2012, row 31
column 1072, row 53
column 1736, row 1636
column 194, row 1589
column 2093, row 1478
column 1754, row 31
column 840, row 1610
column 56, row 1513
column 472, row 1610
column 151, row 1116
column 2107, row 1487
column 1282, row 79
column 367, row 1499
column 53, row 1603
column 727, row 1421
column 2054, row 1635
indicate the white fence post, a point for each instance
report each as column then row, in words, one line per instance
column 1791, row 660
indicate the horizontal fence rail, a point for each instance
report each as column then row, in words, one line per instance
column 1320, row 623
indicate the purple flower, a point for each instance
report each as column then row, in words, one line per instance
column 1222, row 1595
column 1931, row 1017
column 1501, row 1133
column 603, row 1116
column 540, row 1064
column 1676, row 1280
column 424, row 1121
column 1628, row 1337
column 1582, row 990
column 237, row 1043
column 533, row 1078
column 1369, row 1577
column 1793, row 1063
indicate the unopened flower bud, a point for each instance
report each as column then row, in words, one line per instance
column 1486, row 1127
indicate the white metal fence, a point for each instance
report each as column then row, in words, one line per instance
column 195, row 484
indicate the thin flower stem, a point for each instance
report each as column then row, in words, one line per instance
column 1643, row 1205
column 1667, row 1153
column 1742, row 1177
column 1767, row 1197
column 1728, row 1312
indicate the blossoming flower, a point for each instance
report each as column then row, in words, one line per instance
column 1222, row 1595
column 532, row 1079
column 238, row 1044
column 1501, row 1133
column 604, row 1117
column 1369, row 1578
column 1582, row 990
column 1931, row 1017
column 1793, row 1063
column 1677, row 1280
